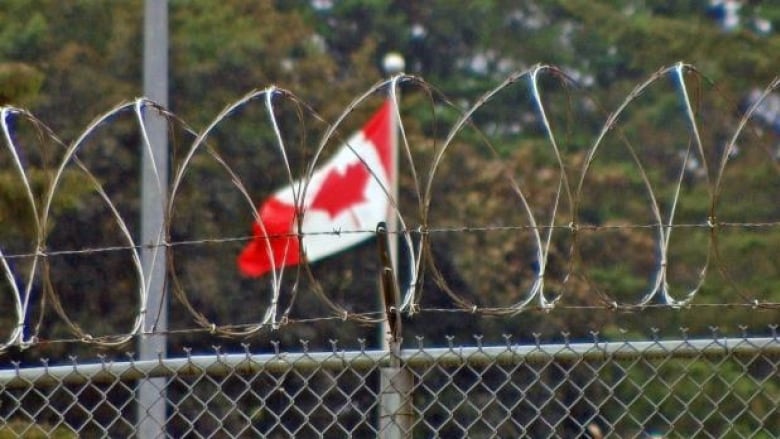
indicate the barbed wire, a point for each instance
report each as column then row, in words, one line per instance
column 548, row 219
column 292, row 322
column 414, row 232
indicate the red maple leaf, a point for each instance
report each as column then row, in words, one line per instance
column 340, row 191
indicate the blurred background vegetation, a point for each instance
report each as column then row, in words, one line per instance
column 70, row 61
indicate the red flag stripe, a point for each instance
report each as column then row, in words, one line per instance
column 340, row 186
column 379, row 131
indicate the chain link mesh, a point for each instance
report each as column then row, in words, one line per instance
column 703, row 388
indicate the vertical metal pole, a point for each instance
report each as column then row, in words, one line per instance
column 154, row 186
column 393, row 63
column 395, row 410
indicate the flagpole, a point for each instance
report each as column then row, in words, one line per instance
column 393, row 64
column 395, row 414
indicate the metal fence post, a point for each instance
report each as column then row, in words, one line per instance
column 395, row 408
column 154, row 185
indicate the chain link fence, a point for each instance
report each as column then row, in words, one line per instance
column 719, row 387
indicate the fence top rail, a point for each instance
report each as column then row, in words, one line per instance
column 220, row 364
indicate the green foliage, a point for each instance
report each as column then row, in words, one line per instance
column 70, row 61
column 24, row 30
column 16, row 214
column 26, row 430
column 19, row 83
column 684, row 395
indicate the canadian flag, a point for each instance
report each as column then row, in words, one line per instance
column 349, row 193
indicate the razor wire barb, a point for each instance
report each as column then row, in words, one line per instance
column 560, row 220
